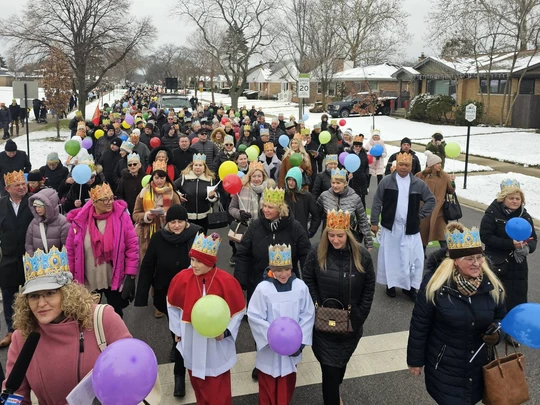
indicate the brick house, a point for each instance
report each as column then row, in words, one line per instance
column 470, row 79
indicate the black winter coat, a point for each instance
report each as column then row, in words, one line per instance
column 15, row 111
column 302, row 207
column 108, row 161
column 12, row 238
column 500, row 252
column 129, row 188
column 194, row 190
column 170, row 142
column 75, row 191
column 322, row 183
column 18, row 162
column 55, row 178
column 182, row 158
column 120, row 166
column 416, row 167
column 166, row 256
column 331, row 349
column 444, row 337
column 252, row 254
column 359, row 182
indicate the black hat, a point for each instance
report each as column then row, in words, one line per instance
column 35, row 175
column 406, row 140
column 202, row 131
column 116, row 141
column 109, row 127
column 10, row 146
column 176, row 211
column 149, row 125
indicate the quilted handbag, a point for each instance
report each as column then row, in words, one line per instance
column 451, row 208
column 218, row 219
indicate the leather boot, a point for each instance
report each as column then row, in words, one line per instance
column 179, row 386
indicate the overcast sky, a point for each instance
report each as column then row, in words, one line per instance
column 170, row 30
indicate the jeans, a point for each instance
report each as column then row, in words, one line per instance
column 8, row 296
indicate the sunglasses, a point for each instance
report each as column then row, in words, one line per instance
column 132, row 164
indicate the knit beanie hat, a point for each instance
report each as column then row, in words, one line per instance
column 116, row 141
column 406, row 140
column 176, row 211
column 35, row 175
column 10, row 146
column 53, row 157
column 431, row 159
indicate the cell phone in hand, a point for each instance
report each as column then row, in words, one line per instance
column 493, row 328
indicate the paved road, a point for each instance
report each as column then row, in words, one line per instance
column 376, row 375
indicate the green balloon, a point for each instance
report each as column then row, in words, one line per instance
column 210, row 316
column 145, row 116
column 211, row 110
column 242, row 148
column 72, row 147
column 295, row 159
column 452, row 150
column 108, row 109
column 226, row 107
column 252, row 154
column 145, row 180
column 237, row 115
column 324, row 137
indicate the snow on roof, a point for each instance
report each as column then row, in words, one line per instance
column 382, row 72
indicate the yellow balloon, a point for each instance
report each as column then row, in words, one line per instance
column 257, row 149
column 227, row 168
column 126, row 125
column 99, row 133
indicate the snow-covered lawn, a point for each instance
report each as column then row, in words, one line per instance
column 484, row 189
column 451, row 165
column 516, row 147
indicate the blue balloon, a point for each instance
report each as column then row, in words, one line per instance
column 123, row 137
column 240, row 174
column 125, row 104
column 523, row 324
column 352, row 163
column 284, row 141
column 26, row 177
column 376, row 150
column 518, row 229
column 81, row 174
column 305, row 117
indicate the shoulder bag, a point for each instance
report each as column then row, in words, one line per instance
column 504, row 380
column 237, row 231
column 334, row 320
column 154, row 398
column 451, row 208
column 218, row 219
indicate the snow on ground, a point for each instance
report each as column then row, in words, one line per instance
column 40, row 147
column 484, row 189
column 514, row 147
column 6, row 95
column 451, row 165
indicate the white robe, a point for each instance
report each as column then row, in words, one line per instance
column 266, row 305
column 203, row 356
column 401, row 256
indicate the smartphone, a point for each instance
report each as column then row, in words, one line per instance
column 492, row 329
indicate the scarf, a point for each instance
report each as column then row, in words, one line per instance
column 467, row 286
column 258, row 189
column 149, row 202
column 102, row 244
column 274, row 224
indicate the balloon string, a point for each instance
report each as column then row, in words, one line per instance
column 80, row 191
column 240, row 201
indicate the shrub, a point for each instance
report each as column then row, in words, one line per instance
column 418, row 108
column 439, row 108
column 460, row 113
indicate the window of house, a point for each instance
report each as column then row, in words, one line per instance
column 444, row 87
column 526, row 86
column 496, row 86
column 319, row 87
column 331, row 90
column 372, row 85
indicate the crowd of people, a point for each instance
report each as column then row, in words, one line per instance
column 142, row 226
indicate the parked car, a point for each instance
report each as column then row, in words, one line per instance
column 357, row 105
column 250, row 94
column 175, row 101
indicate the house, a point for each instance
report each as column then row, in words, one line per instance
column 484, row 79
column 6, row 78
column 274, row 80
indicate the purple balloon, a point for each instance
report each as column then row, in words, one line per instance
column 129, row 119
column 154, row 109
column 284, row 336
column 87, row 143
column 342, row 157
column 125, row 363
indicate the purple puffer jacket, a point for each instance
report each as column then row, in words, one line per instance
column 126, row 246
column 56, row 225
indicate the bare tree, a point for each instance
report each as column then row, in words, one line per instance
column 57, row 83
column 95, row 35
column 234, row 32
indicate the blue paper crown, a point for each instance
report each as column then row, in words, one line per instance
column 339, row 174
column 207, row 244
column 133, row 156
column 280, row 256
column 199, row 157
column 45, row 264
column 469, row 238
column 330, row 159
column 510, row 183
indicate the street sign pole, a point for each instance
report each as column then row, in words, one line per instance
column 303, row 92
column 27, row 131
column 470, row 116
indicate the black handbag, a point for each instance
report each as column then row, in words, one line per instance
column 237, row 231
column 451, row 207
column 218, row 219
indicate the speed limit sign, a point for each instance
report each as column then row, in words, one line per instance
column 303, row 85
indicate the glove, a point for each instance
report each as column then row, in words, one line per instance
column 244, row 216
column 521, row 254
column 311, row 234
column 298, row 352
column 128, row 292
column 491, row 339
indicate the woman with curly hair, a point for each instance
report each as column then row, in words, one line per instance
column 218, row 137
column 62, row 312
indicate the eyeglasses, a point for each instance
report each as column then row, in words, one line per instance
column 47, row 296
column 473, row 259
column 132, row 164
column 106, row 200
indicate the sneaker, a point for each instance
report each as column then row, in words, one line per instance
column 391, row 292
column 232, row 260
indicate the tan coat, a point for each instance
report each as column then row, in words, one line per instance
column 433, row 226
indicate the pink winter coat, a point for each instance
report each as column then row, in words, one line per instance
column 126, row 246
column 57, row 365
column 378, row 166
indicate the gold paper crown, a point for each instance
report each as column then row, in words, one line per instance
column 41, row 264
column 209, row 245
column 14, row 177
column 199, row 157
column 339, row 174
column 469, row 238
column 279, row 257
column 101, row 191
column 268, row 146
column 159, row 165
column 404, row 157
column 247, row 128
column 358, row 138
column 274, row 195
column 298, row 136
column 338, row 220
column 81, row 125
column 376, row 132
column 256, row 166
column 305, row 131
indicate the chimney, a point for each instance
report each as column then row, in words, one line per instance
column 422, row 57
